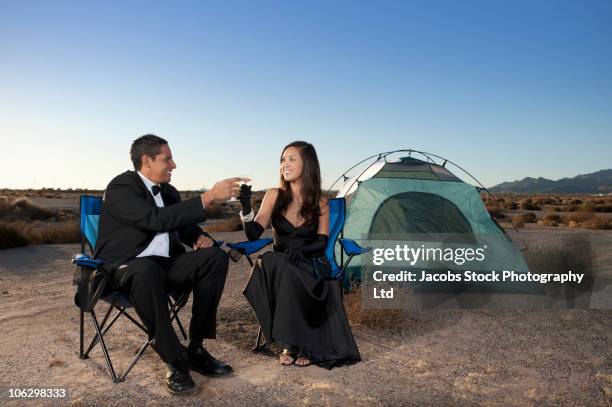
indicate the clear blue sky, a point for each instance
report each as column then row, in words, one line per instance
column 506, row 89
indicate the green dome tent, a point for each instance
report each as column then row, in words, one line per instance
column 410, row 198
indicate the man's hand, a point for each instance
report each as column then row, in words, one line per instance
column 202, row 242
column 222, row 191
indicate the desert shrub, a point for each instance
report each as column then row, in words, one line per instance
column 586, row 207
column 64, row 232
column 603, row 208
column 551, row 219
column 20, row 233
column 546, row 201
column 511, row 205
column 521, row 219
column 11, row 236
column 528, row 205
column 577, row 217
column 572, row 201
column 23, row 208
column 598, row 222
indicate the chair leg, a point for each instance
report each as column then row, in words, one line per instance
column 136, row 358
column 138, row 324
column 104, row 349
column 258, row 347
column 105, row 325
column 104, row 328
column 81, row 333
column 100, row 331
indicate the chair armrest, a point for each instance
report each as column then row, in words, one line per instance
column 250, row 247
column 86, row 261
column 352, row 248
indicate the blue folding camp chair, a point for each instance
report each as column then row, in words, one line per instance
column 94, row 282
column 337, row 214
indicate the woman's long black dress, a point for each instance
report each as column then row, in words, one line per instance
column 296, row 306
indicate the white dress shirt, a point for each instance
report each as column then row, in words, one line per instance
column 160, row 245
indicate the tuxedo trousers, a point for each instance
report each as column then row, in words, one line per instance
column 148, row 280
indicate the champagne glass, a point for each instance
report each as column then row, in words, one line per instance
column 245, row 180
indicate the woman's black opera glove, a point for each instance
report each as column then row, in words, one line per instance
column 252, row 230
column 245, row 198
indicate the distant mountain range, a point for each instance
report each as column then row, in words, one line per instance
column 599, row 182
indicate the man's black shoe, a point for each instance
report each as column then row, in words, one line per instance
column 202, row 362
column 178, row 379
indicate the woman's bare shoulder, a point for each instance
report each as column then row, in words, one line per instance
column 272, row 193
column 270, row 196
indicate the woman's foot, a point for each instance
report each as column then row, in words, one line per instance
column 286, row 358
column 302, row 361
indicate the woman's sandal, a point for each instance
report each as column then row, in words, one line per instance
column 303, row 358
column 287, row 358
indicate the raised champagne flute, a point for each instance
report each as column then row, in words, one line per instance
column 244, row 180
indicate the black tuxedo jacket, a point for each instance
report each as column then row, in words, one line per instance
column 129, row 219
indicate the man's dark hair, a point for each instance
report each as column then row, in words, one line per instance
column 148, row 144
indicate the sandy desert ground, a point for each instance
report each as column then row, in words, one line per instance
column 440, row 357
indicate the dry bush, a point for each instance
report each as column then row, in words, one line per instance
column 551, row 219
column 528, row 205
column 64, row 232
column 521, row 219
column 578, row 217
column 549, row 200
column 572, row 201
column 228, row 225
column 587, row 220
column 598, row 222
column 11, row 236
column 23, row 208
column 19, row 233
column 511, row 205
column 603, row 207
column 586, row 207
column 389, row 319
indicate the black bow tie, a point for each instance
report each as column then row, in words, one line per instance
column 155, row 189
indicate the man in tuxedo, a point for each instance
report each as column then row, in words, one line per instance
column 142, row 224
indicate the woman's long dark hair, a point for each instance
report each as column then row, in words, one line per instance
column 311, row 184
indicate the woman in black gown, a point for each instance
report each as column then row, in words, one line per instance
column 298, row 308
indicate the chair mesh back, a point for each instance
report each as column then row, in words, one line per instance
column 336, row 223
column 90, row 215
